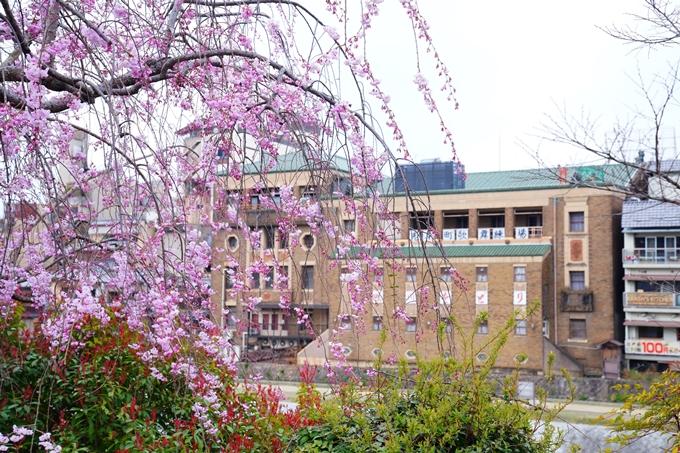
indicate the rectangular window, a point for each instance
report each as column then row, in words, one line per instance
column 445, row 274
column 265, row 322
column 349, row 226
column 229, row 278
column 283, row 240
column 482, row 274
column 275, row 322
column 411, row 274
column 377, row 322
column 411, row 297
column 411, row 325
column 233, row 199
column 421, row 221
column 309, row 193
column 269, row 237
column 254, row 202
column 269, row 279
column 577, row 280
column 273, row 194
column 283, row 277
column 483, row 327
column 255, row 282
column 650, row 332
column 577, row 329
column 307, row 277
column 520, row 274
column 521, row 328
column 576, row 221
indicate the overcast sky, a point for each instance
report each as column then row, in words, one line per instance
column 511, row 62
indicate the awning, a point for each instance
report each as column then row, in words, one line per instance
column 653, row 323
column 656, row 277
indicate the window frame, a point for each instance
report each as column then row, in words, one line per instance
column 377, row 323
column 445, row 274
column 578, row 329
column 411, row 275
column 481, row 274
column 520, row 277
column 521, row 328
column 307, row 277
column 304, row 240
column 577, row 221
column 269, row 235
column 577, row 284
column 411, row 325
column 483, row 328
column 269, row 278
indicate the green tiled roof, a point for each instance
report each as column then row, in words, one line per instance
column 458, row 251
column 296, row 161
column 536, row 179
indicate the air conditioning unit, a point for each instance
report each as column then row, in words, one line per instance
column 265, row 342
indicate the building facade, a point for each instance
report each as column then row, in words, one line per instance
column 651, row 298
column 516, row 238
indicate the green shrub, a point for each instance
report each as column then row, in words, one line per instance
column 444, row 405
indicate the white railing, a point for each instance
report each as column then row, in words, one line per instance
column 485, row 234
column 455, row 234
column 533, row 232
column 418, row 235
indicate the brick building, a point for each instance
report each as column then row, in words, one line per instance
column 290, row 282
column 518, row 237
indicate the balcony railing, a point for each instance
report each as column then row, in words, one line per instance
column 532, row 232
column 485, row 234
column 455, row 234
column 418, row 235
column 651, row 256
column 651, row 299
column 577, row 301
column 290, row 331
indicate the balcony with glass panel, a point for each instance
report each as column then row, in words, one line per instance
column 664, row 256
column 654, row 250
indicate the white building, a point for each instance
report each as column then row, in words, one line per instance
column 651, row 301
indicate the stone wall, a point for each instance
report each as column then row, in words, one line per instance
column 586, row 389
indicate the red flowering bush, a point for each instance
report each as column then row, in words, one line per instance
column 106, row 397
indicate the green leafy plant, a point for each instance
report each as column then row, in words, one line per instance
column 645, row 411
column 443, row 405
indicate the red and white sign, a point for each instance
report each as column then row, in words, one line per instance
column 520, row 298
column 482, row 298
column 652, row 347
column 445, row 298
